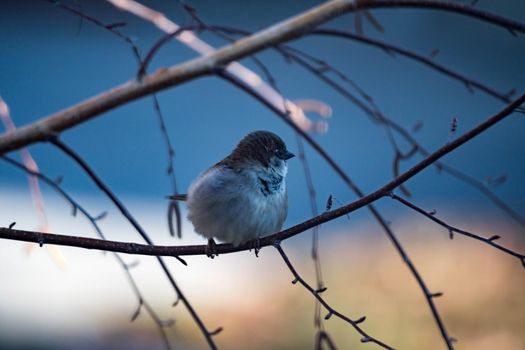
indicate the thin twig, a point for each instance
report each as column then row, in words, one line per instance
column 173, row 206
column 377, row 216
column 376, row 116
column 469, row 82
column 133, row 248
column 164, row 78
column 93, row 221
column 124, row 211
column 452, row 229
column 331, row 311
column 448, row 6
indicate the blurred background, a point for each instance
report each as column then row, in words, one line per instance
column 51, row 60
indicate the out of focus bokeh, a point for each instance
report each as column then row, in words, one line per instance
column 51, row 59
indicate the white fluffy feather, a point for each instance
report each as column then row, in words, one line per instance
column 236, row 206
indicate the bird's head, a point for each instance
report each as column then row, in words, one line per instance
column 261, row 148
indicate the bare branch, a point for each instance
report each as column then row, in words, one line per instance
column 93, row 221
column 490, row 241
column 133, row 248
column 417, row 57
column 124, row 211
column 173, row 207
column 331, row 311
column 376, row 116
column 167, row 77
column 448, row 6
column 407, row 175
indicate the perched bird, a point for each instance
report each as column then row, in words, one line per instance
column 242, row 197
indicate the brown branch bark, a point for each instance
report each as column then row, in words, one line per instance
column 168, row 77
column 141, row 249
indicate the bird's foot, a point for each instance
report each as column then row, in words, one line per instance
column 256, row 246
column 211, row 249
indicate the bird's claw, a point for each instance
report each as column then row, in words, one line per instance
column 211, row 249
column 256, row 246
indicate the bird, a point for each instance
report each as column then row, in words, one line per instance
column 244, row 196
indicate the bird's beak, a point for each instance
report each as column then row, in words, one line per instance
column 287, row 155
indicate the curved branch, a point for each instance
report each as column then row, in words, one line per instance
column 331, row 311
column 448, row 6
column 124, row 211
column 167, row 77
column 452, row 229
column 375, row 213
column 142, row 301
column 141, row 249
column 469, row 82
column 376, row 116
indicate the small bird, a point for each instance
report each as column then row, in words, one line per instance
column 243, row 197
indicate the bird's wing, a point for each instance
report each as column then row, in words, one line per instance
column 178, row 197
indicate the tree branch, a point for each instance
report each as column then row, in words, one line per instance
column 331, row 311
column 124, row 211
column 390, row 48
column 448, row 6
column 134, row 248
column 167, row 77
column 452, row 229
column 142, row 301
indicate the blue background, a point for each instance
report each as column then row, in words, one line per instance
column 51, row 60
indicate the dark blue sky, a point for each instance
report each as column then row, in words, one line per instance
column 51, row 60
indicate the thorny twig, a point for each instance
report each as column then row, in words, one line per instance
column 377, row 216
column 375, row 115
column 322, row 335
column 331, row 311
column 493, row 19
column 124, row 211
column 76, row 207
column 173, row 207
column 391, row 49
column 132, row 248
column 452, row 229
column 286, row 30
column 300, row 57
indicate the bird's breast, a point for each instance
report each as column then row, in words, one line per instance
column 236, row 206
